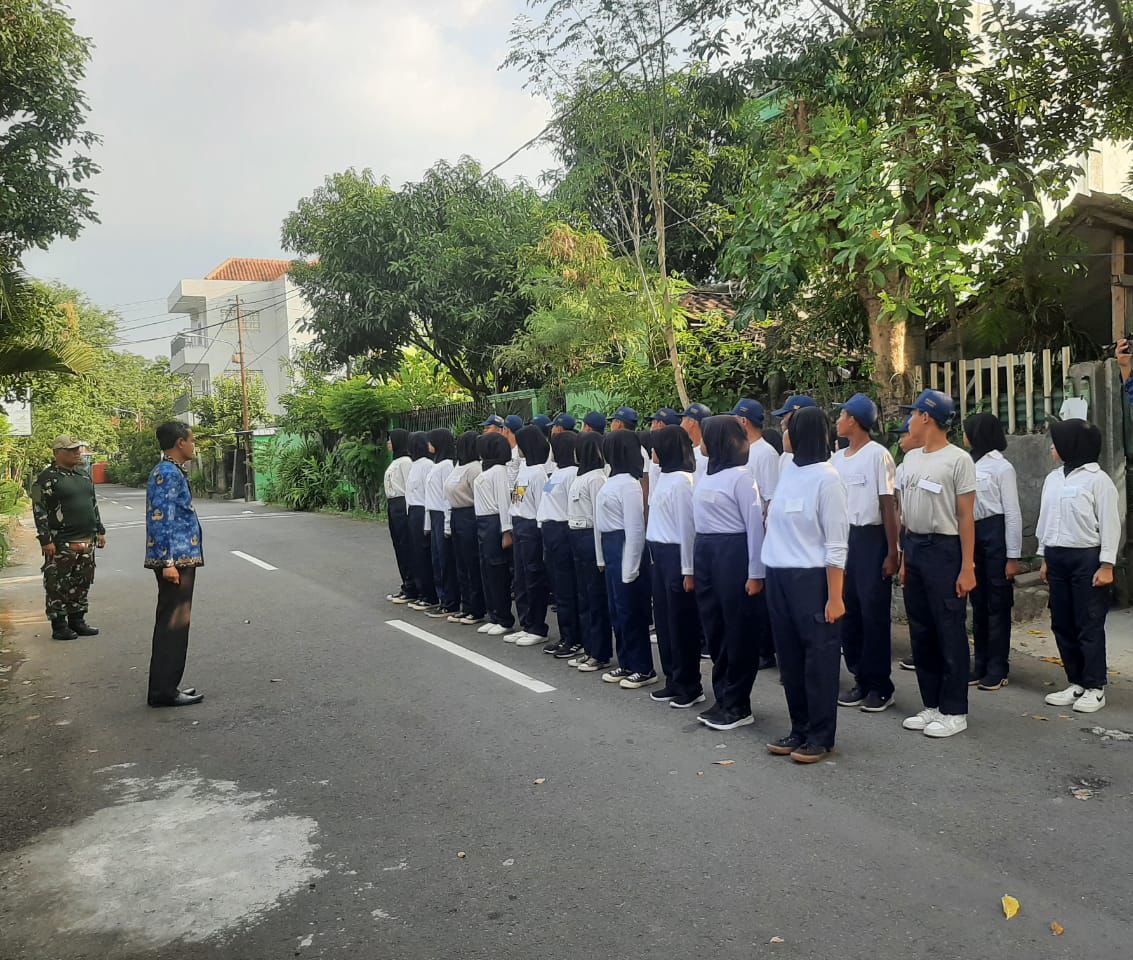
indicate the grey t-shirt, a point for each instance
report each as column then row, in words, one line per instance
column 930, row 484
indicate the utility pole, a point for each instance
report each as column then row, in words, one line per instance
column 249, row 474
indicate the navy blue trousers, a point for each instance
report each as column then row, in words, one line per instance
column 868, row 595
column 1077, row 613
column 444, row 563
column 629, row 605
column 593, row 604
column 422, row 556
column 730, row 618
column 397, row 514
column 531, row 590
column 467, row 550
column 992, row 601
column 677, row 620
column 559, row 562
column 808, row 649
column 937, row 621
column 495, row 570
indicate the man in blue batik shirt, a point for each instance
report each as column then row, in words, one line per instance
column 1124, row 356
column 173, row 552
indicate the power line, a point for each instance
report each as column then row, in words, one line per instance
column 273, row 303
column 134, row 325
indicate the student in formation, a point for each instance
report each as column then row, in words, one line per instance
column 620, row 551
column 906, row 443
column 625, row 418
column 593, row 603
column 421, row 454
column 563, row 423
column 1078, row 531
column 868, row 471
column 794, row 403
column 728, row 517
column 530, row 581
column 397, row 513
column 594, row 422
column 938, row 570
column 670, row 536
column 461, row 496
column 805, row 554
column 440, row 525
column 492, row 501
column 691, row 421
column 664, row 417
column 774, row 436
column 553, row 516
column 999, row 544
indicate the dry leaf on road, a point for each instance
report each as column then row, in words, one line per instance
column 776, row 940
column 1010, row 906
column 1057, row 928
column 723, row 763
column 540, row 781
column 1054, row 660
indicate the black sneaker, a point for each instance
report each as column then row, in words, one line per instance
column 876, row 703
column 854, row 697
column 551, row 646
column 664, row 695
column 810, row 753
column 567, row 651
column 785, row 746
column 682, row 703
column 730, row 720
column 906, row 663
column 437, row 612
column 713, row 713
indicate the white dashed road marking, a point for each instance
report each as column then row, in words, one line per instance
column 256, row 560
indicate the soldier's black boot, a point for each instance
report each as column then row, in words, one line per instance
column 80, row 626
column 61, row 631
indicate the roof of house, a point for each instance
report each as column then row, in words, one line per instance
column 243, row 268
column 702, row 301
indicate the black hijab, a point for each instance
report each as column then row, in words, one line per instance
column 774, row 437
column 810, row 436
column 588, row 452
column 673, row 447
column 1076, row 443
column 466, row 447
column 623, row 453
column 533, row 445
column 399, row 442
column 419, row 445
column 984, row 433
column 562, row 448
column 645, row 438
column 444, row 445
column 726, row 442
column 493, row 450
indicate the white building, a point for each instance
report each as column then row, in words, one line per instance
column 273, row 310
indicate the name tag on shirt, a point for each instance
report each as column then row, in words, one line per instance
column 930, row 486
column 793, row 506
column 708, row 496
column 983, row 483
column 855, row 480
column 549, row 486
column 1069, row 492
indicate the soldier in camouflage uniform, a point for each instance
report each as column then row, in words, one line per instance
column 69, row 528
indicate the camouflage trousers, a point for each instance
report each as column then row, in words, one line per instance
column 67, row 578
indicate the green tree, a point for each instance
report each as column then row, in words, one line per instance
column 35, row 335
column 43, row 143
column 221, row 412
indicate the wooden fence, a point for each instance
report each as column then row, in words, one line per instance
column 1022, row 389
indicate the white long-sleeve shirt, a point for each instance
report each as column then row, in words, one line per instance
column 528, row 491
column 997, row 493
column 582, row 498
column 415, row 483
column 514, row 465
column 763, row 462
column 554, row 505
column 492, row 495
column 1080, row 510
column 459, row 485
column 620, row 505
column 670, row 515
column 808, row 524
column 729, row 502
column 701, row 470
column 435, row 498
column 868, row 475
column 396, row 477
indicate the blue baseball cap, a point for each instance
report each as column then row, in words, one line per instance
column 697, row 412
column 513, row 423
column 862, row 409
column 564, row 420
column 793, row 404
column 494, row 421
column 595, row 421
column 904, row 428
column 939, row 406
column 627, row 415
column 541, row 421
column 667, row 416
column 750, row 410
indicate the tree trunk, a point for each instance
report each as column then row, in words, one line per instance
column 894, row 356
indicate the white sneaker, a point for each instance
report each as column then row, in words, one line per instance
column 579, row 660
column 947, row 725
column 1065, row 697
column 454, row 618
column 513, row 635
column 1091, row 701
column 469, row 620
column 529, row 639
column 495, row 630
column 922, row 719
column 485, row 627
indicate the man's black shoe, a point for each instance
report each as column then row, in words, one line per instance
column 61, row 631
column 183, row 699
column 82, row 628
column 785, row 746
column 854, row 697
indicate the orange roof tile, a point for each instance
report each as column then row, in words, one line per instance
column 242, row 268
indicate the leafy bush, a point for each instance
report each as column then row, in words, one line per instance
column 362, row 464
column 355, row 408
column 11, row 497
column 305, row 477
column 137, row 453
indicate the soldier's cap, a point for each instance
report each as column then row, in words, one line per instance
column 793, row 404
column 750, row 410
column 65, row 442
column 939, row 406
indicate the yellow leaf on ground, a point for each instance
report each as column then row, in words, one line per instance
column 1010, row 906
column 1057, row 928
column 776, row 940
column 1054, row 660
column 1036, row 633
column 723, row 763
column 1036, row 716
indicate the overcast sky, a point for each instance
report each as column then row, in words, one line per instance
column 218, row 115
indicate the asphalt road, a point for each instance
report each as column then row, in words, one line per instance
column 350, row 790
